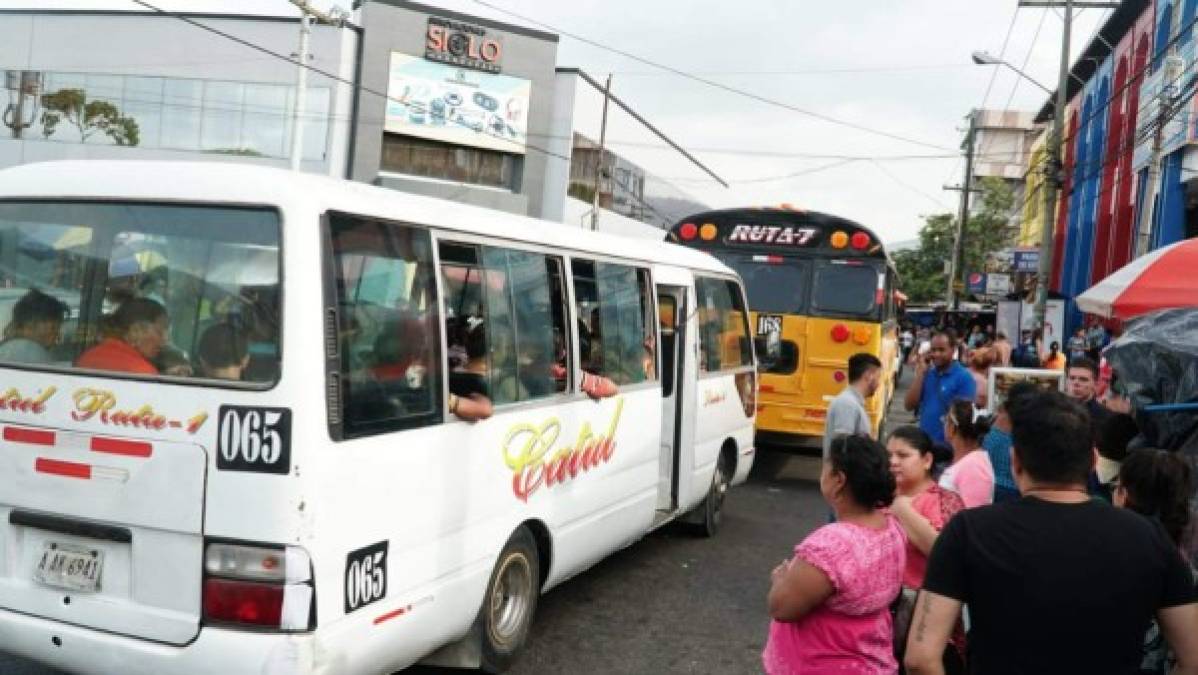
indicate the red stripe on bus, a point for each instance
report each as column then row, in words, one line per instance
column 60, row 468
column 21, row 435
column 391, row 615
column 118, row 446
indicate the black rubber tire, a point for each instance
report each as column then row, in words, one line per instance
column 712, row 508
column 502, row 639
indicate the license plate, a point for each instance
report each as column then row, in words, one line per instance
column 68, row 566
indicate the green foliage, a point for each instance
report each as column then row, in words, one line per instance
column 88, row 117
column 988, row 231
column 237, row 152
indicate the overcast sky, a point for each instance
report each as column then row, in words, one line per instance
column 899, row 66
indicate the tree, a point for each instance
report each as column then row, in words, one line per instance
column 922, row 269
column 89, row 117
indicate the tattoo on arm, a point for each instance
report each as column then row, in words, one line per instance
column 925, row 609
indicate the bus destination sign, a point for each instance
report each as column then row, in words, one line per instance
column 774, row 235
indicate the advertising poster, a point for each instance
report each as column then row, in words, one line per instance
column 998, row 284
column 1007, row 319
column 1054, row 321
column 1001, row 380
column 446, row 103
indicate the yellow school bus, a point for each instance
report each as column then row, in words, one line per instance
column 821, row 288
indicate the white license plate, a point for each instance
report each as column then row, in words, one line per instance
column 69, row 566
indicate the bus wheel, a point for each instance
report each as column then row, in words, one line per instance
column 510, row 602
column 713, row 505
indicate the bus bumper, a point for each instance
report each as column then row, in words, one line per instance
column 790, row 425
column 82, row 650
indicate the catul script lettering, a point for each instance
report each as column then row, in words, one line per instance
column 528, row 452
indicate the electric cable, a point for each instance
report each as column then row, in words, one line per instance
column 711, row 83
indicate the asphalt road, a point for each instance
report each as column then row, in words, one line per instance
column 672, row 602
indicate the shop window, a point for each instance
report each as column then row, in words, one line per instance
column 615, row 328
column 445, row 161
column 505, row 323
column 724, row 341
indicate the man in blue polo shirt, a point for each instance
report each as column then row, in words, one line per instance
column 939, row 380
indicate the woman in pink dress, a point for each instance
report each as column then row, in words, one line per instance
column 971, row 474
column 830, row 602
column 923, row 508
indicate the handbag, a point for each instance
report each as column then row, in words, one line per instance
column 901, row 612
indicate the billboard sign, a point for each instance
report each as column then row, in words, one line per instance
column 456, row 105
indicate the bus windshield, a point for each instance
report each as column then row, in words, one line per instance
column 775, row 288
column 141, row 289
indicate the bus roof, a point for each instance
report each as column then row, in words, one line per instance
column 777, row 231
column 240, row 183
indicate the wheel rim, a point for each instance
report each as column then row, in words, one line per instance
column 720, row 489
column 510, row 600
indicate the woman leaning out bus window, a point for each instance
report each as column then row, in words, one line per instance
column 830, row 602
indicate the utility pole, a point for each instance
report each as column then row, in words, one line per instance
column 956, row 264
column 1053, row 164
column 336, row 17
column 599, row 161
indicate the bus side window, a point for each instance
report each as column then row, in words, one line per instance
column 505, row 314
column 615, row 321
column 723, row 328
column 387, row 326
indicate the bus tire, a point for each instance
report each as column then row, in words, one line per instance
column 712, row 508
column 511, row 602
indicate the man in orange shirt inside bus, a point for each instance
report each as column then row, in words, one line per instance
column 140, row 326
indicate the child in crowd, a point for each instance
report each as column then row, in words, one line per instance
column 970, row 475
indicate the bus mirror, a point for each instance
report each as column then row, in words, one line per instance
column 769, row 349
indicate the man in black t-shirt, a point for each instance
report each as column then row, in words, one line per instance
column 1055, row 582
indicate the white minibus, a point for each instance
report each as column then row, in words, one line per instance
column 256, row 421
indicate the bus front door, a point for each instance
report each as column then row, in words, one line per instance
column 671, row 312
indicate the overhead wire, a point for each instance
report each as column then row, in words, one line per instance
column 711, row 83
column 1002, row 53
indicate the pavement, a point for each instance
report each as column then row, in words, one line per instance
column 672, row 602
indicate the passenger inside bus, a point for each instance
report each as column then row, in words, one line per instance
column 472, row 376
column 35, row 328
column 223, row 352
column 140, row 327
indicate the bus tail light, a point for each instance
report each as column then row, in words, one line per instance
column 839, row 239
column 264, row 586
column 708, row 231
column 838, row 376
column 861, row 334
column 688, row 231
column 746, row 387
column 840, row 333
column 859, row 241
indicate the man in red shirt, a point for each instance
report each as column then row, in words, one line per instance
column 141, row 326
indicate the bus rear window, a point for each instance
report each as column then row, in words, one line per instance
column 776, row 288
column 141, row 289
column 845, row 290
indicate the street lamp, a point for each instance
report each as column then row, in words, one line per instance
column 987, row 59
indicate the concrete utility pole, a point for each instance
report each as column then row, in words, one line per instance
column 599, row 161
column 299, row 107
column 956, row 264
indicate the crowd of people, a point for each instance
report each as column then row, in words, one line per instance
column 1034, row 540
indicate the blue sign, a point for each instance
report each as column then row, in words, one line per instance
column 976, row 283
column 1027, row 260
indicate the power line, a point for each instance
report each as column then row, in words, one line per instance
column 1026, row 59
column 711, row 83
column 1002, row 53
column 889, row 174
column 807, row 71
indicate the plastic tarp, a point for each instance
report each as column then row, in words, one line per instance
column 1156, row 362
